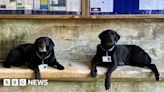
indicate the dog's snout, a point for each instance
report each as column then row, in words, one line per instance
column 42, row 48
column 108, row 41
column 111, row 40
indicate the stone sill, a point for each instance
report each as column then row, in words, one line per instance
column 75, row 71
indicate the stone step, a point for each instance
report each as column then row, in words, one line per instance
column 81, row 72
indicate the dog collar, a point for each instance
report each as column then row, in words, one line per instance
column 109, row 50
column 43, row 58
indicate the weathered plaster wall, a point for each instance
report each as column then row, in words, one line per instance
column 76, row 40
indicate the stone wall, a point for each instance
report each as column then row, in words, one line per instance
column 76, row 40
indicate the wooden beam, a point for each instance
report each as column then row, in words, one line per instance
column 83, row 9
column 155, row 16
column 40, row 16
column 87, row 7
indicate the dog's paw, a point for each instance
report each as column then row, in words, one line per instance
column 121, row 64
column 60, row 67
column 7, row 66
column 37, row 77
column 157, row 77
column 93, row 74
column 107, row 85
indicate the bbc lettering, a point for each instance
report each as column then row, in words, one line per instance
column 14, row 82
column 6, row 82
column 23, row 82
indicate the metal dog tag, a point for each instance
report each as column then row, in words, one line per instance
column 106, row 59
column 42, row 67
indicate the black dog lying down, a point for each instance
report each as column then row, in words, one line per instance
column 111, row 55
column 40, row 53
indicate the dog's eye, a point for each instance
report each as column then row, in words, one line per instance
column 47, row 41
column 112, row 33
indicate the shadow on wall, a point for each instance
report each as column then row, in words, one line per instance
column 7, row 44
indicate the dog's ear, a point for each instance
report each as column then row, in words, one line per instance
column 101, row 35
column 51, row 42
column 117, row 37
column 36, row 42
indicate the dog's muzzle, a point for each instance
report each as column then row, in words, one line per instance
column 109, row 43
column 42, row 49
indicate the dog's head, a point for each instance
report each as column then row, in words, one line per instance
column 109, row 37
column 43, row 44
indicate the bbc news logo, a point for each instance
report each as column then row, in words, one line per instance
column 23, row 82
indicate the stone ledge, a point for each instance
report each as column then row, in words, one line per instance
column 80, row 72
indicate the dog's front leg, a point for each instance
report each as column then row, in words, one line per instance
column 108, row 76
column 59, row 66
column 94, row 71
column 109, row 72
column 37, row 74
column 96, row 58
column 35, row 69
column 56, row 65
column 93, row 67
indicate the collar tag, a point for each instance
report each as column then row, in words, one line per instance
column 42, row 67
column 106, row 59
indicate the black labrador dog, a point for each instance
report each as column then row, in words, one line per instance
column 39, row 53
column 111, row 55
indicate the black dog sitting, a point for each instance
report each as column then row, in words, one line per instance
column 40, row 53
column 111, row 55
